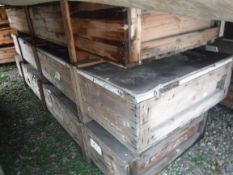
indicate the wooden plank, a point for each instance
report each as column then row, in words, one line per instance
column 3, row 17
column 157, row 25
column 19, row 61
column 5, row 36
column 208, row 9
column 68, row 30
column 7, row 55
column 161, row 48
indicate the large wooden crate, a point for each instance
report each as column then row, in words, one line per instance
column 19, row 19
column 5, row 36
column 113, row 158
column 7, row 55
column 48, row 22
column 3, row 17
column 64, row 111
column 130, row 36
column 28, row 48
column 142, row 105
column 54, row 60
column 33, row 80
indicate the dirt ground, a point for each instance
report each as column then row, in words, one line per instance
column 32, row 142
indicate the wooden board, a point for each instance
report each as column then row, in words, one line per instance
column 7, row 55
column 132, row 103
column 209, row 9
column 3, row 17
column 16, row 44
column 129, row 36
column 48, row 23
column 33, row 80
column 113, row 158
column 55, row 67
column 18, row 19
column 19, row 61
column 28, row 49
column 5, row 36
column 64, row 111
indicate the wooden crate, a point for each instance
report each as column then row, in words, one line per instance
column 64, row 111
column 28, row 48
column 7, row 55
column 129, row 36
column 113, row 158
column 142, row 105
column 47, row 22
column 54, row 60
column 33, row 80
column 19, row 19
column 19, row 61
column 5, row 36
column 3, row 17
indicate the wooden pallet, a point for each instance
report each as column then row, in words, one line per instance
column 141, row 106
column 113, row 158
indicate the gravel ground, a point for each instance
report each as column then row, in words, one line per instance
column 32, row 142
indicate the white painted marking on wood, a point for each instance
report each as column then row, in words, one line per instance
column 95, row 146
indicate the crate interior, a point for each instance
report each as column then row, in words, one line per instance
column 58, row 51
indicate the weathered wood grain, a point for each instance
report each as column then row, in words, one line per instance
column 18, row 19
column 114, row 158
column 19, row 61
column 3, row 17
column 5, row 36
column 64, row 111
column 7, row 55
column 33, row 80
column 48, row 22
column 132, row 104
column 55, row 67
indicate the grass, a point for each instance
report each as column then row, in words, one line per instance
column 4, row 78
column 32, row 142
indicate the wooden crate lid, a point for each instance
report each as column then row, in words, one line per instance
column 148, row 80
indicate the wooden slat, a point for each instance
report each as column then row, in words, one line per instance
column 7, row 55
column 160, row 48
column 68, row 30
column 156, row 25
column 5, row 36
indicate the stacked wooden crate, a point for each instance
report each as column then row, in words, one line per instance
column 128, row 118
column 7, row 50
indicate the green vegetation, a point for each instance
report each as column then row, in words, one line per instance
column 32, row 142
